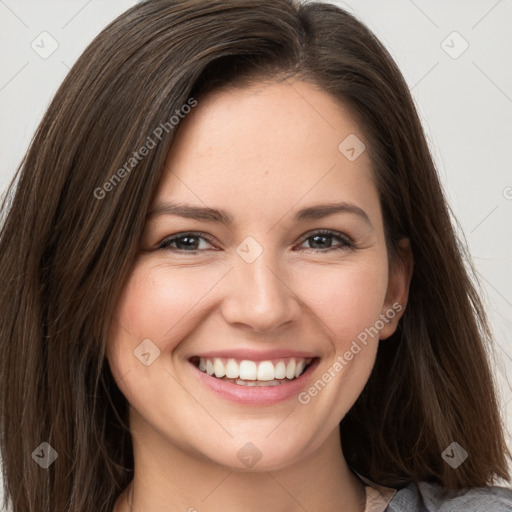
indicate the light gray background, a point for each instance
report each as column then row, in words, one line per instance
column 465, row 104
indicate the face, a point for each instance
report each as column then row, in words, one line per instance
column 249, row 335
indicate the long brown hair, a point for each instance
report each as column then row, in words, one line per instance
column 68, row 242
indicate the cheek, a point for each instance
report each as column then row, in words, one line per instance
column 348, row 302
column 347, row 299
column 166, row 304
column 158, row 304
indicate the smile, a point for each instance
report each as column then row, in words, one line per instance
column 246, row 372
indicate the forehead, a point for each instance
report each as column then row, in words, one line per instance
column 266, row 146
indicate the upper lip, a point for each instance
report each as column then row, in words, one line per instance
column 256, row 355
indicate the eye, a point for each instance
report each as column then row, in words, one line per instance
column 186, row 242
column 322, row 237
column 191, row 241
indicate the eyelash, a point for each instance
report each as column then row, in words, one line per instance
column 346, row 242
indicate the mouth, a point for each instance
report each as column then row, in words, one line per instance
column 247, row 372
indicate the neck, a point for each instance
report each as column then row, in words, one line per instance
column 170, row 478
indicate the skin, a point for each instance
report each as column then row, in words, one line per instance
column 261, row 153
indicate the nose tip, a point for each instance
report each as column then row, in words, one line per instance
column 258, row 296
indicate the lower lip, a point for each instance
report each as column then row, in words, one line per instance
column 257, row 395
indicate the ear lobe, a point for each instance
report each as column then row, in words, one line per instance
column 397, row 293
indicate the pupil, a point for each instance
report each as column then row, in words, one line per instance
column 190, row 239
column 315, row 237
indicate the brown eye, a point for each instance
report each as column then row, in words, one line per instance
column 185, row 242
column 324, row 240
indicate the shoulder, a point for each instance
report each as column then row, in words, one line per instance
column 430, row 497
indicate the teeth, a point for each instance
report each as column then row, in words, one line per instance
column 299, row 368
column 248, row 370
column 290, row 369
column 232, row 369
column 265, row 371
column 251, row 373
column 280, row 370
column 256, row 383
column 218, row 366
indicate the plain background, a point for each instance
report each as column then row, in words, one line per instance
column 463, row 95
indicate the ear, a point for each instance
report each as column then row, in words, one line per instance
column 398, row 289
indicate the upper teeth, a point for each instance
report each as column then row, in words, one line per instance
column 252, row 370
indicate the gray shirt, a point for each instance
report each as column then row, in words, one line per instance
column 429, row 497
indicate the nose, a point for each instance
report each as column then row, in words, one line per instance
column 258, row 296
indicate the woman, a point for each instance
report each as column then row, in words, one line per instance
column 175, row 333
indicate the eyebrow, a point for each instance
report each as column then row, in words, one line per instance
column 219, row 215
